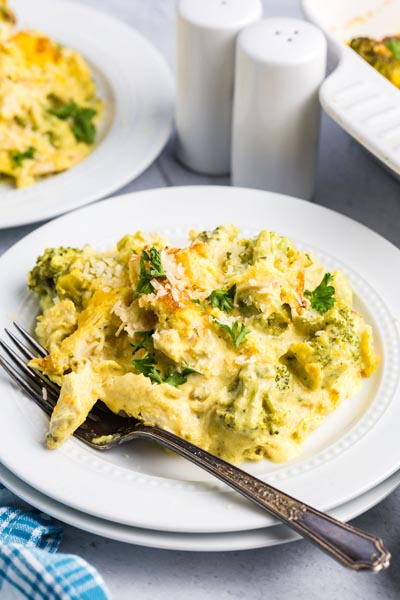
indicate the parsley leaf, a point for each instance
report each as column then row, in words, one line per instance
column 238, row 334
column 197, row 301
column 155, row 375
column 178, row 377
column 80, row 120
column 222, row 299
column 143, row 365
column 143, row 340
column 323, row 297
column 83, row 128
column 150, row 268
column 394, row 46
column 18, row 157
column 65, row 110
column 148, row 367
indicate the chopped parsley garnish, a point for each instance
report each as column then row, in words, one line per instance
column 143, row 340
column 83, row 128
column 80, row 120
column 237, row 334
column 64, row 111
column 155, row 375
column 19, row 157
column 394, row 46
column 148, row 367
column 197, row 301
column 223, row 299
column 150, row 268
column 323, row 297
column 180, row 376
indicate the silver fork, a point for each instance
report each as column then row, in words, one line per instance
column 350, row 546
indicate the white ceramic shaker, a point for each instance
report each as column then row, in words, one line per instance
column 206, row 37
column 280, row 64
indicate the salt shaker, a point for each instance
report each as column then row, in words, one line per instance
column 206, row 36
column 280, row 64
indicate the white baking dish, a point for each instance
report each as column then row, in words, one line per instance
column 355, row 95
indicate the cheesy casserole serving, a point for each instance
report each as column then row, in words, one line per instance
column 242, row 346
column 48, row 105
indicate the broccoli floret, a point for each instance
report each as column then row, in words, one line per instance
column 49, row 267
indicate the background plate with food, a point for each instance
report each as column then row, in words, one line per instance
column 80, row 115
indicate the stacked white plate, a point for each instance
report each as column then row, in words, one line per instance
column 138, row 493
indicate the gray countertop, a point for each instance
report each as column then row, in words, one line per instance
column 352, row 183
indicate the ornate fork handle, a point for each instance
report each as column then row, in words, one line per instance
column 348, row 545
column 351, row 547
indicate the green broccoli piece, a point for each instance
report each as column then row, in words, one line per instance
column 49, row 267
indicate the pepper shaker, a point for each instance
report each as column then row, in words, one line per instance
column 206, row 36
column 280, row 64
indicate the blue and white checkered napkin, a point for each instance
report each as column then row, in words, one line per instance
column 29, row 565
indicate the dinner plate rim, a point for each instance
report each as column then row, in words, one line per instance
column 238, row 517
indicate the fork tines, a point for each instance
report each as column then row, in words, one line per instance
column 14, row 359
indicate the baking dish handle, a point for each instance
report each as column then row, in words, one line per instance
column 365, row 104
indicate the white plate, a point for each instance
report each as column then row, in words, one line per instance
column 136, row 85
column 199, row 542
column 140, row 485
column 360, row 99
